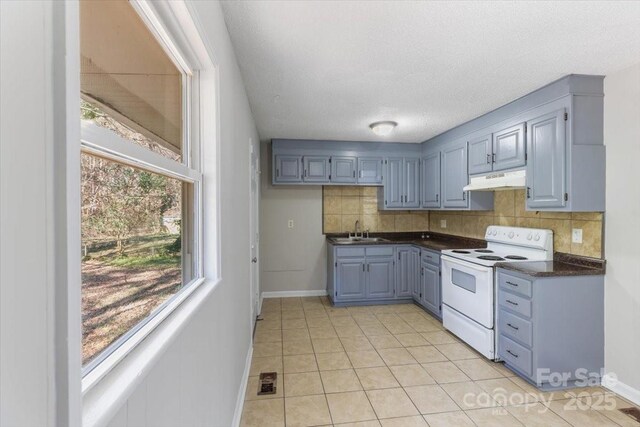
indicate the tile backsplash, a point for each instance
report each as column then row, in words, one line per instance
column 344, row 205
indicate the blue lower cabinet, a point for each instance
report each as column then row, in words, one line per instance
column 404, row 271
column 350, row 283
column 548, row 326
column 380, row 279
column 430, row 275
column 415, row 283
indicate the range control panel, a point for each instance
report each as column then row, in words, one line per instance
column 530, row 237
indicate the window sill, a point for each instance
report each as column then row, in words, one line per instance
column 106, row 388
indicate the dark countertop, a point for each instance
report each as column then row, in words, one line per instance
column 562, row 265
column 428, row 240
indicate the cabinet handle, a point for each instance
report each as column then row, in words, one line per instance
column 528, row 192
column 512, row 353
column 437, row 196
column 354, row 174
column 493, row 158
column 511, row 283
column 488, row 158
column 464, row 195
column 277, row 172
column 511, row 302
column 362, row 267
column 513, row 327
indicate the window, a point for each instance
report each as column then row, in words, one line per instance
column 140, row 180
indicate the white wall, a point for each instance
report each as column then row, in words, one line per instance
column 293, row 259
column 196, row 381
column 622, row 228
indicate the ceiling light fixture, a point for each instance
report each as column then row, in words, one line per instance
column 383, row 128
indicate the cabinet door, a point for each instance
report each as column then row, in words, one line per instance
column 288, row 169
column 508, row 148
column 414, row 266
column 404, row 275
column 431, row 287
column 370, row 170
column 546, row 175
column 350, row 279
column 343, row 169
column 380, row 277
column 454, row 176
column 316, row 169
column 480, row 158
column 393, row 195
column 431, row 180
column 411, row 183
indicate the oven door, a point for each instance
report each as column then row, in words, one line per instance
column 468, row 289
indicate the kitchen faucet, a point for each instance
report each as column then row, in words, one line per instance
column 357, row 228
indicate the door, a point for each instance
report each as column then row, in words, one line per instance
column 431, row 181
column 351, row 279
column 254, row 224
column 509, row 148
column 343, row 169
column 468, row 289
column 480, row 158
column 431, row 287
column 411, row 183
column 546, row 174
column 414, row 274
column 393, row 195
column 404, row 275
column 370, row 170
column 316, row 169
column 288, row 169
column 455, row 177
column 380, row 277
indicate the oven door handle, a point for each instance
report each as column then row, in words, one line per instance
column 465, row 264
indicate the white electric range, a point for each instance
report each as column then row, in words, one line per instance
column 468, row 286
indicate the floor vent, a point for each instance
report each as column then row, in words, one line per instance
column 632, row 412
column 267, row 384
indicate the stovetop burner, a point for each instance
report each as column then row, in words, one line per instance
column 460, row 251
column 484, row 251
column 516, row 257
column 491, row 258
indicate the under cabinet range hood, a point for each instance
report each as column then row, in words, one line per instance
column 497, row 181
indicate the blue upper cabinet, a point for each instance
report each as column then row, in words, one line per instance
column 454, row 175
column 316, row 169
column 402, row 183
column 480, row 154
column 546, row 168
column 430, row 184
column 509, row 148
column 343, row 169
column 370, row 170
column 393, row 183
column 288, row 169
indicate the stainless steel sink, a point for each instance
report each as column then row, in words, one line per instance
column 359, row 239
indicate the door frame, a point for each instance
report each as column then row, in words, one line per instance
column 254, row 231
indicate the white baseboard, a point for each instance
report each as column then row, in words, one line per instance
column 286, row 294
column 622, row 389
column 237, row 416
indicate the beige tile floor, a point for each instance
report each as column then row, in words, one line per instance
column 394, row 365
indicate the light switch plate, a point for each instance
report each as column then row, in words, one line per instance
column 443, row 223
column 576, row 235
column 290, row 223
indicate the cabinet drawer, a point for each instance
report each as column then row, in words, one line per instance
column 515, row 303
column 379, row 251
column 515, row 354
column 355, row 252
column 515, row 327
column 514, row 284
column 431, row 257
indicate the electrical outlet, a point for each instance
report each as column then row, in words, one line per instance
column 576, row 235
column 290, row 223
column 443, row 223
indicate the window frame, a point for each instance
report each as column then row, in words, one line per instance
column 102, row 142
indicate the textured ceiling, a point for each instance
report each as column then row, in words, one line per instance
column 326, row 69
